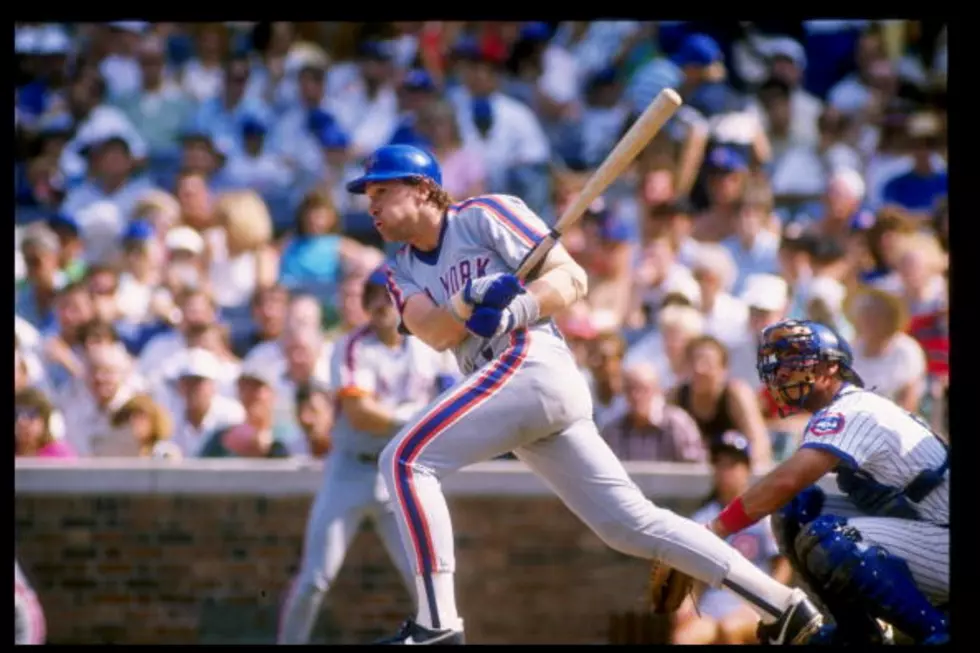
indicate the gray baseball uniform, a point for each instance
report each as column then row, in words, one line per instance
column 403, row 380
column 524, row 394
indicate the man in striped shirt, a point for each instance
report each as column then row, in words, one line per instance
column 881, row 552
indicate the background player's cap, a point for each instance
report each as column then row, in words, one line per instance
column 733, row 443
column 397, row 162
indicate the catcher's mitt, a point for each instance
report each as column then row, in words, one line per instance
column 668, row 588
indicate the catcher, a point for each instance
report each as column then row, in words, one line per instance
column 881, row 552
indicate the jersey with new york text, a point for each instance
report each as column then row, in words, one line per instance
column 485, row 235
column 874, row 434
column 403, row 379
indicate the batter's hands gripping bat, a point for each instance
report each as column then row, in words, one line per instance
column 639, row 135
column 636, row 138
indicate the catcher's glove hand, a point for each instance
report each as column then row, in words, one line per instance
column 668, row 588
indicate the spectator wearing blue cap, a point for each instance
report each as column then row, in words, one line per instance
column 417, row 89
column 112, row 177
column 141, row 271
column 158, row 107
column 702, row 63
column 727, row 171
column 222, row 115
column 254, row 166
column 71, row 255
column 509, row 136
column 463, row 173
column 715, row 617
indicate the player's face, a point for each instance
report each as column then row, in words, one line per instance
column 395, row 207
column 381, row 311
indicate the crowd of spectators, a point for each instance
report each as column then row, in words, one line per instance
column 186, row 254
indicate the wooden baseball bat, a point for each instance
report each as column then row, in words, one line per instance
column 639, row 135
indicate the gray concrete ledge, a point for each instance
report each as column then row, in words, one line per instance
column 279, row 478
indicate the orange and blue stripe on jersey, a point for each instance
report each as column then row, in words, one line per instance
column 507, row 216
column 440, row 418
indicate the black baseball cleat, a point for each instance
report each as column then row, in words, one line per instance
column 798, row 625
column 415, row 635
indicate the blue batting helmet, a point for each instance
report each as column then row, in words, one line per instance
column 397, row 162
column 789, row 353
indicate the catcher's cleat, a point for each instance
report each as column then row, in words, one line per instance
column 797, row 625
column 413, row 634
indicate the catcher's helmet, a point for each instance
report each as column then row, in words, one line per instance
column 788, row 355
column 397, row 162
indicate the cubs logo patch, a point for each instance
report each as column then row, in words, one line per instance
column 829, row 424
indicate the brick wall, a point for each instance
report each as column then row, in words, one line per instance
column 212, row 569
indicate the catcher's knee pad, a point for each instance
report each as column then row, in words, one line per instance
column 842, row 565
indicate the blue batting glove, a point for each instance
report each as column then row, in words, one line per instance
column 495, row 291
column 488, row 322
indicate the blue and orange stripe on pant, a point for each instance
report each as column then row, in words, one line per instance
column 450, row 410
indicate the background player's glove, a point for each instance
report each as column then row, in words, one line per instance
column 490, row 322
column 668, row 588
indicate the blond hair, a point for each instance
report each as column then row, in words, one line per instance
column 157, row 206
column 686, row 318
column 718, row 260
column 937, row 260
column 881, row 301
column 246, row 220
column 161, row 426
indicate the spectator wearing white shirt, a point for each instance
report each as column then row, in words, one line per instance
column 368, row 108
column 196, row 308
column 715, row 271
column 754, row 247
column 199, row 410
column 855, row 93
column 141, row 274
column 787, row 63
column 110, row 381
column 505, row 131
column 158, row 108
column 677, row 325
column 891, row 362
column 802, row 171
column 254, row 166
column 120, row 67
column 92, row 120
column 294, row 135
column 203, row 76
column 113, row 179
column 658, row 273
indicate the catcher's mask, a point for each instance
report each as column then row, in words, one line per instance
column 788, row 359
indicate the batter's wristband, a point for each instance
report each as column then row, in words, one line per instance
column 734, row 518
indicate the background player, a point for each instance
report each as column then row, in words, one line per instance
column 523, row 394
column 383, row 378
column 882, row 551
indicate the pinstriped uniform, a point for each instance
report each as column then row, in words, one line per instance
column 874, row 434
column 524, row 394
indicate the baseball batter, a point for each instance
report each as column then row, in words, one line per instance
column 882, row 550
column 383, row 378
column 523, row 393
